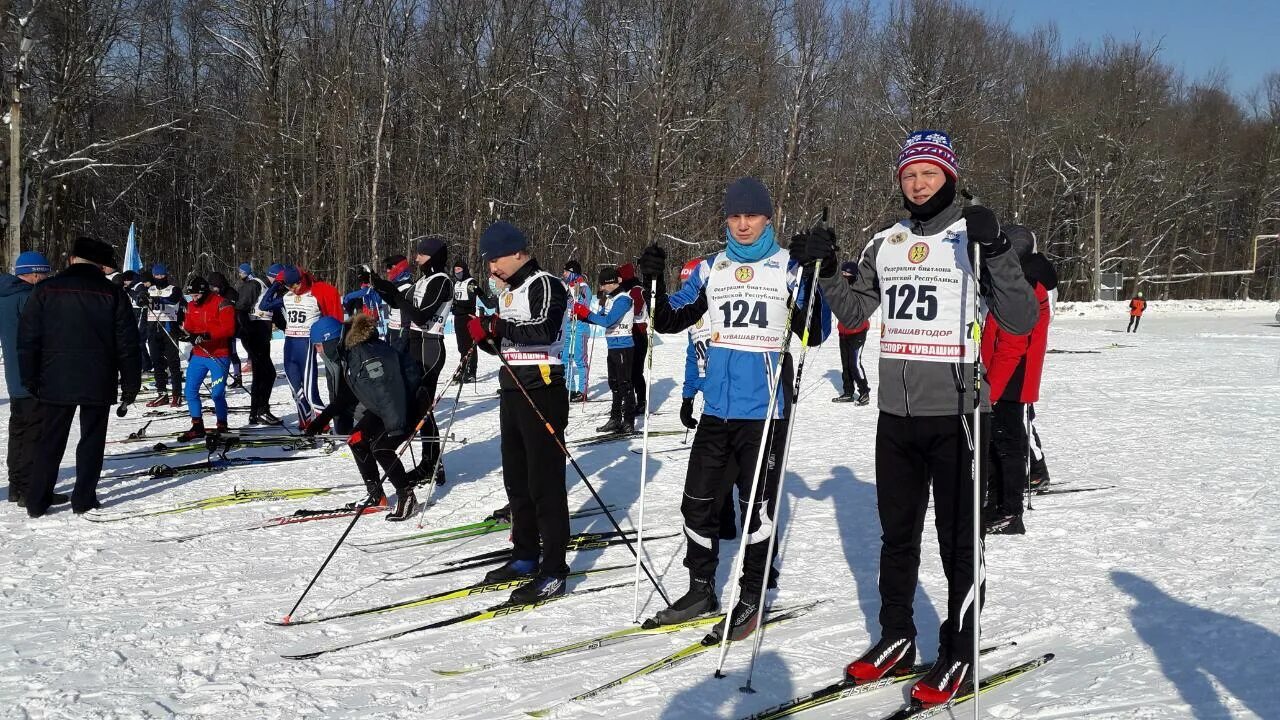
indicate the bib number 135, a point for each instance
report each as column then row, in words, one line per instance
column 908, row 302
column 741, row 313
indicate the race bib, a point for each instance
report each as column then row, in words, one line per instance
column 747, row 303
column 926, row 295
column 300, row 312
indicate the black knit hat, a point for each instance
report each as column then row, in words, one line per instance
column 607, row 275
column 196, row 285
column 574, row 267
column 94, row 250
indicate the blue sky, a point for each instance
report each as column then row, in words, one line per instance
column 1240, row 36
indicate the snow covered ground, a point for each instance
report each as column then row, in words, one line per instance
column 1160, row 595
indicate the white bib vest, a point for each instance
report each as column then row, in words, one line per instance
column 747, row 302
column 622, row 328
column 162, row 312
column 699, row 336
column 300, row 313
column 514, row 307
column 257, row 313
column 926, row 295
column 393, row 314
column 435, row 324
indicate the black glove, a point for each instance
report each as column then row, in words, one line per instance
column 313, row 429
column 123, row 408
column 653, row 264
column 686, row 414
column 984, row 229
column 814, row 244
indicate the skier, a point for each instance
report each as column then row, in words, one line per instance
column 400, row 279
column 852, row 340
column 210, row 327
column 919, row 270
column 24, row 421
column 639, row 330
column 695, row 366
column 1137, row 306
column 464, row 306
column 744, row 291
column 77, row 342
column 576, row 346
column 372, row 375
column 615, row 317
column 164, row 306
column 255, row 325
column 303, row 300
column 425, row 307
column 364, row 299
column 527, row 333
column 219, row 284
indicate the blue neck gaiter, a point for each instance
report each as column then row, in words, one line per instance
column 762, row 248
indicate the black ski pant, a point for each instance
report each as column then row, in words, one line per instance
column 912, row 453
column 533, row 468
column 1008, row 463
column 427, row 352
column 164, row 353
column 372, row 447
column 465, row 343
column 640, row 348
column 55, row 426
column 256, row 336
column 1039, row 468
column 708, row 486
column 853, row 376
column 1134, row 320
column 24, row 433
column 620, row 363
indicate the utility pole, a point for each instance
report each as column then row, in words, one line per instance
column 1097, row 238
column 15, row 152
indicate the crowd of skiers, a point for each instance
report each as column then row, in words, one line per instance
column 955, row 292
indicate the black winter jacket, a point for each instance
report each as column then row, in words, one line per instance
column 370, row 374
column 78, row 338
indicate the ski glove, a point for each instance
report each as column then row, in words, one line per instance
column 814, row 244
column 984, row 229
column 581, row 311
column 482, row 329
column 123, row 408
column 686, row 414
column 653, row 263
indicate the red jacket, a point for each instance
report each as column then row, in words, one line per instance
column 1014, row 363
column 1136, row 306
column 214, row 316
column 326, row 295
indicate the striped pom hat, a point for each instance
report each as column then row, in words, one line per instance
column 931, row 146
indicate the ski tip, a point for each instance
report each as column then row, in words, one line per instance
column 538, row 713
column 286, row 620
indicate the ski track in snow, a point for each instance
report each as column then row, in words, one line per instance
column 1160, row 597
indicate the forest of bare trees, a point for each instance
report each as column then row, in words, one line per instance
column 331, row 132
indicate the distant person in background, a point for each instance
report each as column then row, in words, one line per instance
column 1136, row 307
column 853, row 376
column 465, row 292
column 24, row 421
column 639, row 333
column 219, row 285
column 576, row 332
column 164, row 303
column 254, row 326
column 76, row 342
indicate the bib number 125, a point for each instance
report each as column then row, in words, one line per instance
column 907, row 302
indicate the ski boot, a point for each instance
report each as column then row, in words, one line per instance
column 576, row 397
column 406, row 505
column 889, row 657
column 542, row 587
column 266, row 418
column 160, row 401
column 699, row 600
column 843, row 398
column 501, row 515
column 863, row 399
column 370, row 500
column 196, row 432
column 512, row 570
column 942, row 682
column 176, row 401
column 221, row 427
column 1006, row 525
column 742, row 621
column 612, row 427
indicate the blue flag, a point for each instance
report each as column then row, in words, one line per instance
column 132, row 257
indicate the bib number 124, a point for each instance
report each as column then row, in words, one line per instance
column 741, row 313
column 907, row 302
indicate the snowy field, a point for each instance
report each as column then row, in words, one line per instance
column 1160, row 594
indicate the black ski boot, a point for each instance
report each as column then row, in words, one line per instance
column 942, row 682
column 370, row 500
column 264, row 417
column 512, row 570
column 542, row 587
column 613, row 426
column 1006, row 525
column 890, row 656
column 577, row 397
column 843, row 398
column 742, row 621
column 699, row 600
column 406, row 505
column 502, row 514
column 863, row 399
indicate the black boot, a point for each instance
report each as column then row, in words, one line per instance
column 613, row 426
column 406, row 505
column 742, row 621
column 512, row 570
column 699, row 600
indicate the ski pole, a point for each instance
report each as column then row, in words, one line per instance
column 288, row 618
column 752, row 505
column 644, row 447
column 977, row 471
column 448, row 430
column 568, row 456
column 782, row 472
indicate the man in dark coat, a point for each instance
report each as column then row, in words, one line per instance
column 77, row 340
column 24, row 421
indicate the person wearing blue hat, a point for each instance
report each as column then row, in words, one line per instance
column 24, row 421
column 164, row 305
column 371, row 374
column 255, row 332
column 303, row 300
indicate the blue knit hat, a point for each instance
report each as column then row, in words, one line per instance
column 325, row 329
column 500, row 240
column 159, row 269
column 747, row 196
column 31, row 262
column 246, row 268
column 289, row 274
column 273, row 271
